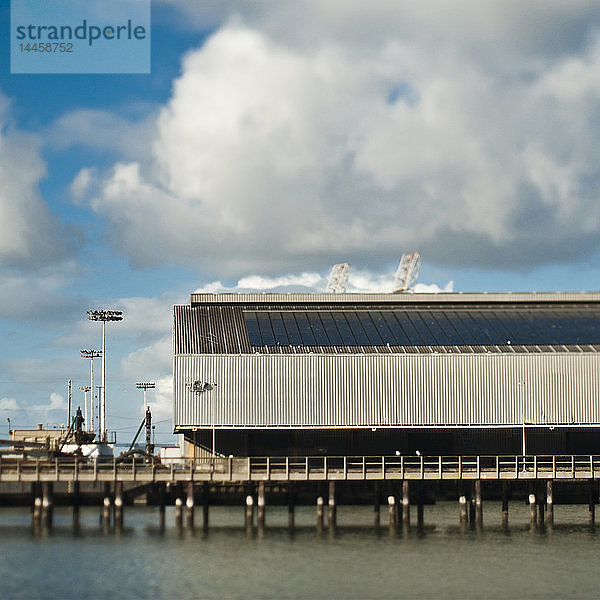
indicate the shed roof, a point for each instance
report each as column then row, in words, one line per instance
column 387, row 323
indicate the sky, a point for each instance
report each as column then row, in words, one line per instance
column 271, row 140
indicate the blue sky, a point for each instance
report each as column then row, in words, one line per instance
column 272, row 140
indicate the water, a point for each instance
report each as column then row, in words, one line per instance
column 358, row 561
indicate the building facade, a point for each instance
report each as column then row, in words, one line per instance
column 301, row 374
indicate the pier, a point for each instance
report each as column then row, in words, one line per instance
column 400, row 482
column 288, row 469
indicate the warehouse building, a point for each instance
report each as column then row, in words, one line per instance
column 381, row 374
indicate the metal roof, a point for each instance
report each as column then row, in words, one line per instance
column 365, row 327
column 197, row 298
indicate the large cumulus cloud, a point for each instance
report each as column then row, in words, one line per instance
column 468, row 135
column 30, row 235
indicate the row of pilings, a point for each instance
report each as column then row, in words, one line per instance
column 405, row 496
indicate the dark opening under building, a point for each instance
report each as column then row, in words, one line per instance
column 376, row 374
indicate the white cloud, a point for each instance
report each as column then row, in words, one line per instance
column 161, row 402
column 57, row 403
column 358, row 281
column 150, row 362
column 9, row 404
column 82, row 183
column 382, row 129
column 129, row 132
column 39, row 296
column 30, row 235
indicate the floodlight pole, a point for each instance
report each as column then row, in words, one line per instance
column 145, row 386
column 91, row 354
column 85, row 389
column 104, row 316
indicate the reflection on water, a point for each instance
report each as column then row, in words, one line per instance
column 440, row 560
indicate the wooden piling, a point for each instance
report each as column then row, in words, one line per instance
column 261, row 508
column 478, row 503
column 291, row 505
column 532, row 510
column 549, row 503
column 36, row 515
column 392, row 511
column 189, row 505
column 405, row 504
column 463, row 510
column 332, row 508
column 105, row 515
column 47, row 504
column 249, row 514
column 505, row 495
column 320, row 514
column 376, row 504
column 106, row 507
column 592, row 503
column 541, row 504
column 205, row 506
column 178, row 513
column 161, row 506
column 420, row 506
column 118, row 505
column 76, row 504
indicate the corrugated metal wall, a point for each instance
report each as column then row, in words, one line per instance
column 368, row 390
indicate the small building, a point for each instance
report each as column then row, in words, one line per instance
column 373, row 374
column 50, row 439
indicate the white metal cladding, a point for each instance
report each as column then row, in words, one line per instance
column 387, row 390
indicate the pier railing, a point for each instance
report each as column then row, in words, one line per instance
column 309, row 468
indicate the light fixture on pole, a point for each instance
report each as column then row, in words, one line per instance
column 104, row 316
column 521, row 387
column 91, row 354
column 85, row 389
column 199, row 387
column 145, row 386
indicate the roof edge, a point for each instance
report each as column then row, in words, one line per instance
column 197, row 298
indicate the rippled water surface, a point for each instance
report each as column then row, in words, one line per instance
column 357, row 561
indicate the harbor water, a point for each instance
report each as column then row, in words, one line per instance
column 356, row 560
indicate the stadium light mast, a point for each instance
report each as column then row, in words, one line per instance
column 91, row 354
column 105, row 316
column 85, row 389
column 145, row 386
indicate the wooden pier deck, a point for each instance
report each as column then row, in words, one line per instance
column 291, row 469
column 399, row 481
